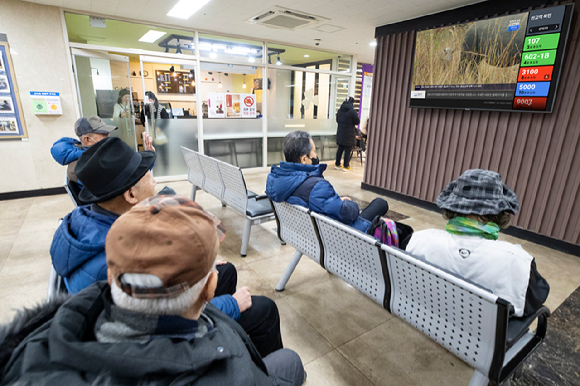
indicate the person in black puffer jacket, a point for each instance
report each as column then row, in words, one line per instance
column 347, row 119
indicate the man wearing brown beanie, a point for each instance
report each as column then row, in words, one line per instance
column 152, row 323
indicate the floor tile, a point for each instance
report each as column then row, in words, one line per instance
column 22, row 272
column 300, row 336
column 337, row 310
column 395, row 353
column 247, row 277
column 334, row 370
column 306, row 274
column 14, row 298
column 15, row 209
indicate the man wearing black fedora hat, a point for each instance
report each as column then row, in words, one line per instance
column 477, row 205
column 116, row 178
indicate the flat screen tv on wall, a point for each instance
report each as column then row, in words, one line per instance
column 507, row 63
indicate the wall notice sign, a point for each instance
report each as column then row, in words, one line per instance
column 233, row 106
column 215, row 104
column 228, row 105
column 45, row 103
column 248, row 106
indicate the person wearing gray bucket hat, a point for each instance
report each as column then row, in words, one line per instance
column 478, row 192
column 477, row 205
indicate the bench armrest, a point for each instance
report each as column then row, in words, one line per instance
column 517, row 327
column 261, row 197
column 523, row 343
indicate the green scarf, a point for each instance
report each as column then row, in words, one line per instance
column 467, row 227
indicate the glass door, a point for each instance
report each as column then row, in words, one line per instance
column 104, row 88
column 170, row 110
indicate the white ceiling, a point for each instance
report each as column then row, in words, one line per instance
column 359, row 18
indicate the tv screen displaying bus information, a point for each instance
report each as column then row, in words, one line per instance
column 508, row 63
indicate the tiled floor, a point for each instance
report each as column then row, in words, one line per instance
column 343, row 337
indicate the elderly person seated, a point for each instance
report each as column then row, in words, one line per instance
column 299, row 181
column 478, row 204
column 116, row 179
column 66, row 151
column 152, row 323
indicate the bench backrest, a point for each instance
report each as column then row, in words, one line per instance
column 235, row 191
column 354, row 257
column 213, row 182
column 297, row 228
column 458, row 315
column 195, row 171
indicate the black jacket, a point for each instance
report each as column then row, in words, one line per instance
column 347, row 119
column 63, row 350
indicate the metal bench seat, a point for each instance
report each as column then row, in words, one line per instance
column 464, row 318
column 226, row 183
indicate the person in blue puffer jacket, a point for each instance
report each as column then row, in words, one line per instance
column 116, row 179
column 299, row 181
column 66, row 151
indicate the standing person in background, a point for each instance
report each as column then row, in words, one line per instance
column 122, row 116
column 157, row 114
column 123, row 108
column 347, row 119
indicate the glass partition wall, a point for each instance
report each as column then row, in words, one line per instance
column 230, row 98
column 169, row 110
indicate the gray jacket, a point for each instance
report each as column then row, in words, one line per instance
column 62, row 349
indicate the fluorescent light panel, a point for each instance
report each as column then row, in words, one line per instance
column 151, row 36
column 185, row 8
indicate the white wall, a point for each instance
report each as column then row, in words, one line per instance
column 37, row 43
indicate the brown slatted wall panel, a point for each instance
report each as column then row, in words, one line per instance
column 399, row 117
column 393, row 108
column 416, row 152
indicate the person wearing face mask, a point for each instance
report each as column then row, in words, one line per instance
column 66, row 151
column 299, row 181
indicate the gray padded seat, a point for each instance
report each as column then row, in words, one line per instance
column 252, row 194
column 258, row 207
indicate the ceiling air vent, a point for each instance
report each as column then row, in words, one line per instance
column 278, row 17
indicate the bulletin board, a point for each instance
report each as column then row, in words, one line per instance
column 11, row 117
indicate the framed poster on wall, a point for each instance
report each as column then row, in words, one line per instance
column 11, row 117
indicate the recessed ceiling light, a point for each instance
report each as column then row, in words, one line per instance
column 151, row 36
column 306, row 56
column 185, row 8
column 373, row 44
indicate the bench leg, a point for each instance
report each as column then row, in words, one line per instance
column 288, row 272
column 193, row 192
column 478, row 379
column 246, row 237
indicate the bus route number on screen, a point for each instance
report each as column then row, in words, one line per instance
column 530, row 71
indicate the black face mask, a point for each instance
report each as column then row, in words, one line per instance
column 315, row 161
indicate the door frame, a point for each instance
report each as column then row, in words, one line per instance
column 99, row 55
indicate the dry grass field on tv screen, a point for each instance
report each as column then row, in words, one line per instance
column 487, row 54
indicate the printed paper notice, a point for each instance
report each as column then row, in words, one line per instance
column 45, row 103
